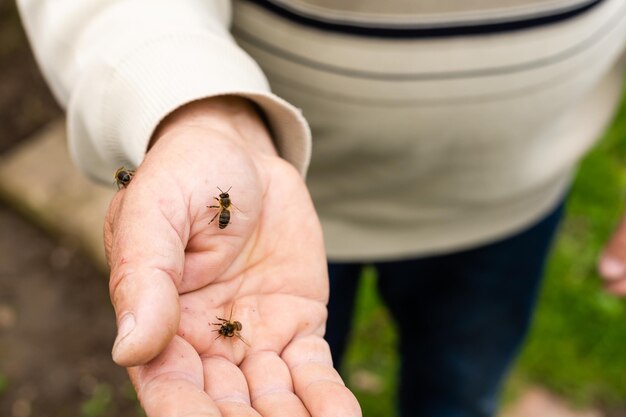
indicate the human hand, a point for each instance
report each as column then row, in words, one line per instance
column 612, row 263
column 172, row 273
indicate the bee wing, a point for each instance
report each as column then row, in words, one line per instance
column 240, row 213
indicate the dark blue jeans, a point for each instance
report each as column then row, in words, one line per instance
column 461, row 317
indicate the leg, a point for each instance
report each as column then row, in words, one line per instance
column 213, row 216
column 344, row 280
column 216, row 214
column 462, row 318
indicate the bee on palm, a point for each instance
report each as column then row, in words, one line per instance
column 224, row 207
column 229, row 328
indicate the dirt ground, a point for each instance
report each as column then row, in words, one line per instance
column 56, row 322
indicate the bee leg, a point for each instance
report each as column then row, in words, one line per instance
column 242, row 339
column 214, row 217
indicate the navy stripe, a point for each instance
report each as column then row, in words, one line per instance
column 275, row 50
column 462, row 29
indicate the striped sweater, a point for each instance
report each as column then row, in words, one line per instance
column 426, row 126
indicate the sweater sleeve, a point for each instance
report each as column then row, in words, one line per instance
column 119, row 67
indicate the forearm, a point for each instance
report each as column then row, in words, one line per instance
column 121, row 67
column 71, row 39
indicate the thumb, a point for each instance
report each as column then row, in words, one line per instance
column 146, row 255
column 612, row 262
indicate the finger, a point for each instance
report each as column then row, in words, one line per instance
column 146, row 305
column 271, row 388
column 611, row 270
column 225, row 384
column 172, row 384
column 109, row 223
column 315, row 381
column 616, row 287
column 146, row 257
column 612, row 263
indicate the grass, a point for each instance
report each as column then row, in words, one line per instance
column 575, row 347
column 577, row 342
column 371, row 363
column 4, row 383
column 99, row 403
column 107, row 401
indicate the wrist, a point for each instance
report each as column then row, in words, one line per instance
column 235, row 117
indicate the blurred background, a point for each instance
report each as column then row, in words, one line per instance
column 57, row 325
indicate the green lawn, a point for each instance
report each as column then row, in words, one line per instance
column 577, row 346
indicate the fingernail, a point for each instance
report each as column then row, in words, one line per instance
column 611, row 268
column 126, row 325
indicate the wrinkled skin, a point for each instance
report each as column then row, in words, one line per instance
column 172, row 273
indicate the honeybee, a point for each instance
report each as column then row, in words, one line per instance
column 229, row 328
column 224, row 205
column 123, row 177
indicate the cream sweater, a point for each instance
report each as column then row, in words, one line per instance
column 437, row 124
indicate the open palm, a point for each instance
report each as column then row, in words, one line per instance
column 173, row 274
